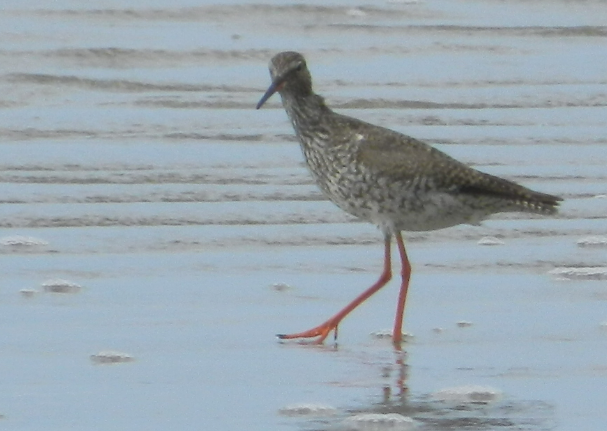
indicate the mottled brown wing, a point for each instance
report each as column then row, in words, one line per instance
column 403, row 158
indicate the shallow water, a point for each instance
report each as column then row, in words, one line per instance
column 136, row 167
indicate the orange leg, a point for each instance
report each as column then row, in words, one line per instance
column 324, row 329
column 397, row 334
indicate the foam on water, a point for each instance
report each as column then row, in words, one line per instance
column 592, row 241
column 464, row 324
column 19, row 240
column 280, row 287
column 61, row 286
column 307, row 409
column 467, row 394
column 490, row 240
column 582, row 273
column 384, row 334
column 111, row 357
column 379, row 422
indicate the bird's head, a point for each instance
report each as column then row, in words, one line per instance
column 289, row 74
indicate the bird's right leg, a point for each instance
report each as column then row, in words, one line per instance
column 323, row 330
column 397, row 335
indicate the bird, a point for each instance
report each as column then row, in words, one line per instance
column 387, row 178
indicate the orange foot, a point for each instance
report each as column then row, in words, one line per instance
column 321, row 331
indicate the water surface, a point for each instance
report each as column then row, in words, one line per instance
column 135, row 166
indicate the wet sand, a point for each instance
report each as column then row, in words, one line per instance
column 156, row 230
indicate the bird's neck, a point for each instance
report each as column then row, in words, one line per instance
column 304, row 110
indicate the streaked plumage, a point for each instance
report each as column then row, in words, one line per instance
column 387, row 178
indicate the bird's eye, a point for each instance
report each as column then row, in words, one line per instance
column 299, row 67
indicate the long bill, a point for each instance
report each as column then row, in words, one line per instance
column 273, row 88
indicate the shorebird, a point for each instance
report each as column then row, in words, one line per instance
column 387, row 178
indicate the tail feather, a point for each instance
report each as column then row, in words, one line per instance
column 519, row 197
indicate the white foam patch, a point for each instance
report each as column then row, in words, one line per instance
column 384, row 334
column 468, row 394
column 61, row 286
column 22, row 241
column 583, row 273
column 380, row 422
column 280, row 287
column 356, row 13
column 111, row 357
column 490, row 240
column 307, row 409
column 592, row 241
